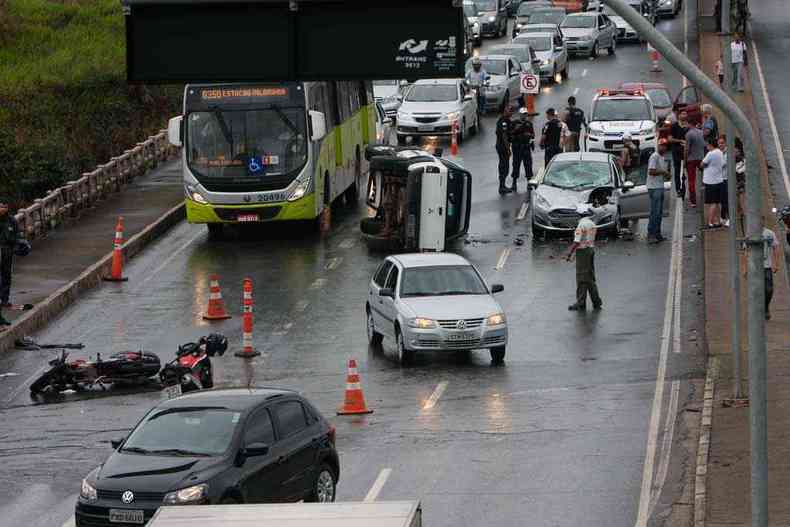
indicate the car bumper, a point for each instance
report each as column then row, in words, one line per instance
column 627, row 35
column 547, row 71
column 665, row 10
column 301, row 209
column 568, row 225
column 613, row 145
column 98, row 514
column 580, row 46
column 440, row 339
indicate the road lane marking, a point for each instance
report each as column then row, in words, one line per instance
column 666, row 445
column 575, row 91
column 502, row 259
column 434, row 398
column 584, row 72
column 153, row 274
column 771, row 122
column 522, row 213
column 347, row 244
column 22, row 386
column 9, row 374
column 658, row 397
column 374, row 491
column 319, row 283
column 302, row 305
column 70, row 523
column 333, row 263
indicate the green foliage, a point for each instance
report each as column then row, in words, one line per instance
column 64, row 102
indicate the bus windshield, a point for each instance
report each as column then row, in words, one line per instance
column 239, row 143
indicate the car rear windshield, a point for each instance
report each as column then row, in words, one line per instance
column 621, row 110
column 537, row 43
column 578, row 175
column 184, row 431
column 442, row 280
column 433, row 93
column 492, row 67
column 659, row 97
column 546, row 17
column 520, row 52
column 579, row 21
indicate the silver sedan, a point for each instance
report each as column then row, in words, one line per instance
column 434, row 302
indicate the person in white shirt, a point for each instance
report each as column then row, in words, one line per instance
column 713, row 180
column 657, row 173
column 739, row 54
column 584, row 248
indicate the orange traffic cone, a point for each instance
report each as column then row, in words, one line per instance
column 116, row 274
column 654, row 56
column 247, row 350
column 355, row 399
column 216, row 306
column 454, row 143
column 531, row 104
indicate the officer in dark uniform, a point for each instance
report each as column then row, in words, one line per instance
column 9, row 238
column 523, row 144
column 551, row 136
column 504, row 130
column 574, row 118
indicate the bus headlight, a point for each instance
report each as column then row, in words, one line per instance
column 194, row 195
column 299, row 190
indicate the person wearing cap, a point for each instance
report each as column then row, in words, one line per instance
column 504, row 133
column 9, row 238
column 629, row 156
column 574, row 119
column 584, row 248
column 523, row 142
column 657, row 173
column 551, row 136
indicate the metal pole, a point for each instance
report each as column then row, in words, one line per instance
column 732, row 198
column 754, row 228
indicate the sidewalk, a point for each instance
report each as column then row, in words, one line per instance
column 728, row 469
column 65, row 253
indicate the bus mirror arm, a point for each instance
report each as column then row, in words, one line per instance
column 175, row 131
column 317, row 125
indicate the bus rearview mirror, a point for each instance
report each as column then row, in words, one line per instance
column 174, row 134
column 317, row 125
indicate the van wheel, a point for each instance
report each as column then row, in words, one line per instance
column 497, row 355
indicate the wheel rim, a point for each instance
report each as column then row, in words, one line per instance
column 371, row 327
column 325, row 487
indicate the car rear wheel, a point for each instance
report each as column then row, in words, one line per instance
column 405, row 355
column 323, row 490
column 374, row 337
column 498, row 355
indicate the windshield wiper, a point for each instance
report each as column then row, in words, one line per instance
column 135, row 449
column 178, row 451
column 448, row 293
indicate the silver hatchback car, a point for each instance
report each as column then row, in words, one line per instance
column 434, row 302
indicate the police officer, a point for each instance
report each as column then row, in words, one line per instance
column 9, row 238
column 523, row 143
column 574, row 118
column 551, row 137
column 504, row 131
column 584, row 248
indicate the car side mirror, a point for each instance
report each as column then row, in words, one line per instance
column 254, row 450
column 532, row 183
column 175, row 131
column 497, row 288
column 514, row 74
column 317, row 125
column 628, row 185
column 116, row 443
column 387, row 292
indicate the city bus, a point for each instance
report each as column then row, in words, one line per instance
column 271, row 152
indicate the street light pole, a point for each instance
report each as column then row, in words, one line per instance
column 754, row 228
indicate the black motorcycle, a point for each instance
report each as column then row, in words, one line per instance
column 125, row 368
column 191, row 367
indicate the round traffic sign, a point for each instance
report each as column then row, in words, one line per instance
column 529, row 83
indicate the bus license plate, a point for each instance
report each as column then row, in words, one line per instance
column 126, row 516
column 247, row 218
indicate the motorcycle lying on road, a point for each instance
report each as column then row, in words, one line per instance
column 132, row 368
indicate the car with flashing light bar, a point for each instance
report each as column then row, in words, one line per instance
column 615, row 112
column 244, row 445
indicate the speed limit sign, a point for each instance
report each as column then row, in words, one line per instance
column 530, row 83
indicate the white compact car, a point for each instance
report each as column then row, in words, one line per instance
column 615, row 112
column 431, row 107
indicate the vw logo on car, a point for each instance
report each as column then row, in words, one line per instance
column 461, row 324
column 127, row 497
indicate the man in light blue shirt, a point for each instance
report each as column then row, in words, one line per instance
column 657, row 173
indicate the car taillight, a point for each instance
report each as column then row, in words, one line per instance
column 332, row 434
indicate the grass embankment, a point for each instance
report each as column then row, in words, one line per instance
column 64, row 102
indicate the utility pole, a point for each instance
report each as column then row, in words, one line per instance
column 753, row 239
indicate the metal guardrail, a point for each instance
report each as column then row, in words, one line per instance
column 67, row 201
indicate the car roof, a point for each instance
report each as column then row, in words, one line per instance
column 239, row 399
column 437, row 81
column 543, row 24
column 582, row 156
column 429, row 259
column 537, row 34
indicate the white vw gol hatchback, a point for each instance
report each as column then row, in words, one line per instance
column 434, row 302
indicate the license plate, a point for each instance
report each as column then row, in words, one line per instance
column 171, row 392
column 425, row 128
column 126, row 516
column 462, row 335
column 247, row 218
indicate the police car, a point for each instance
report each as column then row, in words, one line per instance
column 615, row 112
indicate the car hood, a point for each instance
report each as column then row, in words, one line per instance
column 429, row 107
column 382, row 92
column 452, row 307
column 149, row 473
column 621, row 126
column 560, row 198
column 577, row 32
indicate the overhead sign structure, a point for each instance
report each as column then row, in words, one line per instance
column 530, row 83
column 176, row 41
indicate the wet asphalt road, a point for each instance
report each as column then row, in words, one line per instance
column 556, row 437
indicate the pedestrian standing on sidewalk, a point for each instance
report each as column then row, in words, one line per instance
column 771, row 265
column 695, row 152
column 584, row 248
column 523, row 137
column 719, row 68
column 677, row 142
column 657, row 173
column 9, row 238
column 710, row 126
column 725, row 189
column 574, row 119
column 504, row 130
column 713, row 180
column 551, row 136
column 739, row 54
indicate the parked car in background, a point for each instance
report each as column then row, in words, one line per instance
column 669, row 7
column 525, row 10
column 548, row 15
column 390, row 94
column 551, row 51
column 242, row 445
column 530, row 63
column 504, row 85
column 625, row 31
column 434, row 302
column 543, row 28
column 586, row 33
column 493, row 17
column 473, row 17
column 431, row 106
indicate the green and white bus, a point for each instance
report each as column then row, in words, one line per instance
column 271, row 152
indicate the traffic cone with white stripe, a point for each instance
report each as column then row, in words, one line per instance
column 116, row 274
column 216, row 306
column 655, row 57
column 247, row 350
column 454, row 140
column 354, row 403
